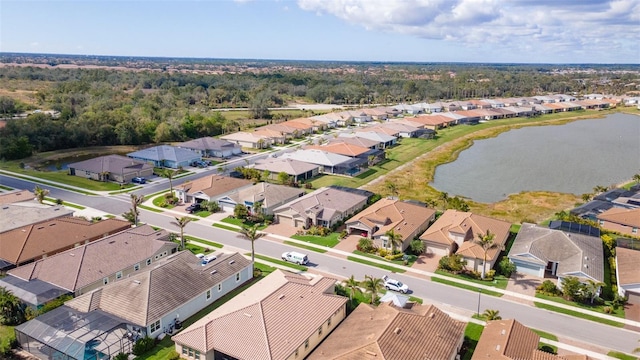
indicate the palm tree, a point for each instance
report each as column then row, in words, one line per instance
column 445, row 199
column 636, row 177
column 169, row 174
column 373, row 285
column 181, row 223
column 490, row 314
column 252, row 234
column 395, row 239
column 11, row 308
column 486, row 242
column 586, row 197
column 256, row 208
column 391, row 187
column 592, row 288
column 353, row 286
column 40, row 193
column 135, row 201
column 599, row 189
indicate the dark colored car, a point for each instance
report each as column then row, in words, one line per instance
column 138, row 180
column 193, row 208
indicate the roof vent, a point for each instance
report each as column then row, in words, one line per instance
column 281, row 296
column 41, row 227
column 137, row 282
column 232, row 262
column 503, row 332
column 497, row 347
column 214, row 271
column 112, row 242
column 371, row 353
column 431, row 315
column 247, row 315
column 52, row 224
column 396, row 331
column 72, row 254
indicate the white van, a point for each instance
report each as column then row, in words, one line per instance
column 207, row 259
column 295, row 257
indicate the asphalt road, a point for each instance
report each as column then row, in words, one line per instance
column 561, row 325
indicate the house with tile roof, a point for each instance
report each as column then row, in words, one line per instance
column 150, row 303
column 275, row 135
column 538, row 251
column 17, row 215
column 387, row 332
column 510, row 340
column 323, row 207
column 624, row 221
column 212, row 147
column 297, row 170
column 166, row 156
column 328, row 162
column 37, row 241
column 384, row 140
column 455, row 231
column 16, row 196
column 372, row 156
column 210, row 188
column 284, row 316
column 251, row 140
column 268, row 195
column 90, row 266
column 359, row 141
column 434, row 122
column 115, row 168
column 628, row 273
column 405, row 219
column 376, row 113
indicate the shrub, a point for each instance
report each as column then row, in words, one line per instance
column 548, row 349
column 548, row 288
column 452, row 263
column 59, row 201
column 365, row 245
column 343, row 234
column 57, row 302
column 607, row 310
column 121, row 356
column 416, row 246
column 506, row 267
column 173, row 355
column 382, row 252
column 394, row 256
column 489, row 275
column 143, row 345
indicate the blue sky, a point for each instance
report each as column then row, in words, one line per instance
column 522, row 31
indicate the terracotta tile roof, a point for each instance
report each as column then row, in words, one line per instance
column 368, row 143
column 628, row 266
column 506, row 339
column 213, row 185
column 269, row 132
column 49, row 237
column 388, row 332
column 75, row 268
column 433, row 119
column 341, row 148
column 275, row 316
column 15, row 215
column 245, row 136
column 626, row 217
column 148, row 296
column 15, row 196
column 387, row 214
column 299, row 124
column 466, row 223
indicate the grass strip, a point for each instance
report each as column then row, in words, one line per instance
column 466, row 287
column 375, row 264
column 5, row 188
column 56, row 185
column 125, row 190
column 330, row 240
column 203, row 241
column 471, row 337
column 75, row 206
column 280, row 262
column 311, row 248
column 617, row 311
column 230, row 228
column 149, row 208
column 578, row 314
column 183, row 175
column 498, row 281
column 545, row 335
column 621, row 356
column 410, row 258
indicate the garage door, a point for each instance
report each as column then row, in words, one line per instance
column 227, row 207
column 528, row 269
column 634, row 298
column 436, row 250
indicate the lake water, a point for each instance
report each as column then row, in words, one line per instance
column 569, row 158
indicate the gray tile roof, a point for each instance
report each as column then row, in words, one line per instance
column 208, row 143
column 574, row 253
column 319, row 157
column 13, row 216
column 290, row 166
column 165, row 152
column 172, row 282
column 269, row 194
column 325, row 202
column 111, row 163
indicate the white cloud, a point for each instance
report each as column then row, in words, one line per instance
column 603, row 29
column 34, row 44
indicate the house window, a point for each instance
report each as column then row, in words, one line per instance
column 197, row 356
column 190, row 352
column 329, row 322
column 385, row 243
column 320, row 331
column 238, row 277
column 601, row 222
column 136, row 267
column 184, row 350
column 297, row 352
column 119, row 275
column 306, row 344
column 155, row 326
column 105, row 281
column 148, row 262
column 219, row 287
column 208, row 294
column 634, row 230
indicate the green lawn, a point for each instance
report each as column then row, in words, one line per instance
column 202, row 213
column 499, row 281
column 280, row 262
column 621, row 356
column 471, row 337
column 578, row 314
column 149, row 208
column 619, row 312
column 410, row 258
column 242, row 223
column 331, row 240
column 159, row 201
column 63, row 177
column 545, row 335
column 466, row 287
column 76, row 206
column 5, row 188
column 230, row 228
column 375, row 264
column 206, row 242
column 311, row 248
column 7, row 336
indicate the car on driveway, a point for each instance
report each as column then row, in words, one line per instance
column 138, row 180
column 395, row 285
column 192, row 208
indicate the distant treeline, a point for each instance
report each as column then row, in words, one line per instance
column 109, row 107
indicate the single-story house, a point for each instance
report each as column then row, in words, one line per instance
column 455, row 232
column 628, row 274
column 150, row 303
column 116, row 168
column 268, row 195
column 16, row 196
column 37, row 241
column 328, row 121
column 298, row 170
column 402, row 130
column 510, row 340
column 288, row 132
column 405, row 219
column 249, row 140
column 538, row 250
column 408, row 109
column 591, row 209
column 376, row 113
column 323, row 207
column 329, row 163
column 351, row 150
column 384, row 141
column 624, row 221
column 305, row 126
column 285, row 317
column 434, row 122
column 210, row 188
column 91, row 266
column 166, row 156
column 369, row 144
column 212, row 147
column 389, row 332
column 275, row 136
column 17, row 215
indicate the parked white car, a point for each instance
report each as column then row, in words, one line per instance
column 395, row 285
column 295, row 257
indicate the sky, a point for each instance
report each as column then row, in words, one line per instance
column 485, row 31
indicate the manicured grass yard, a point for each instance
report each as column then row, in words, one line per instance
column 7, row 336
column 241, row 223
column 202, row 241
column 311, row 248
column 619, row 312
column 471, row 337
column 466, row 287
column 545, row 335
column 410, row 258
column 331, row 240
column 371, row 263
column 230, row 228
column 160, row 200
column 578, row 314
column 149, row 208
column 621, row 356
column 499, row 281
